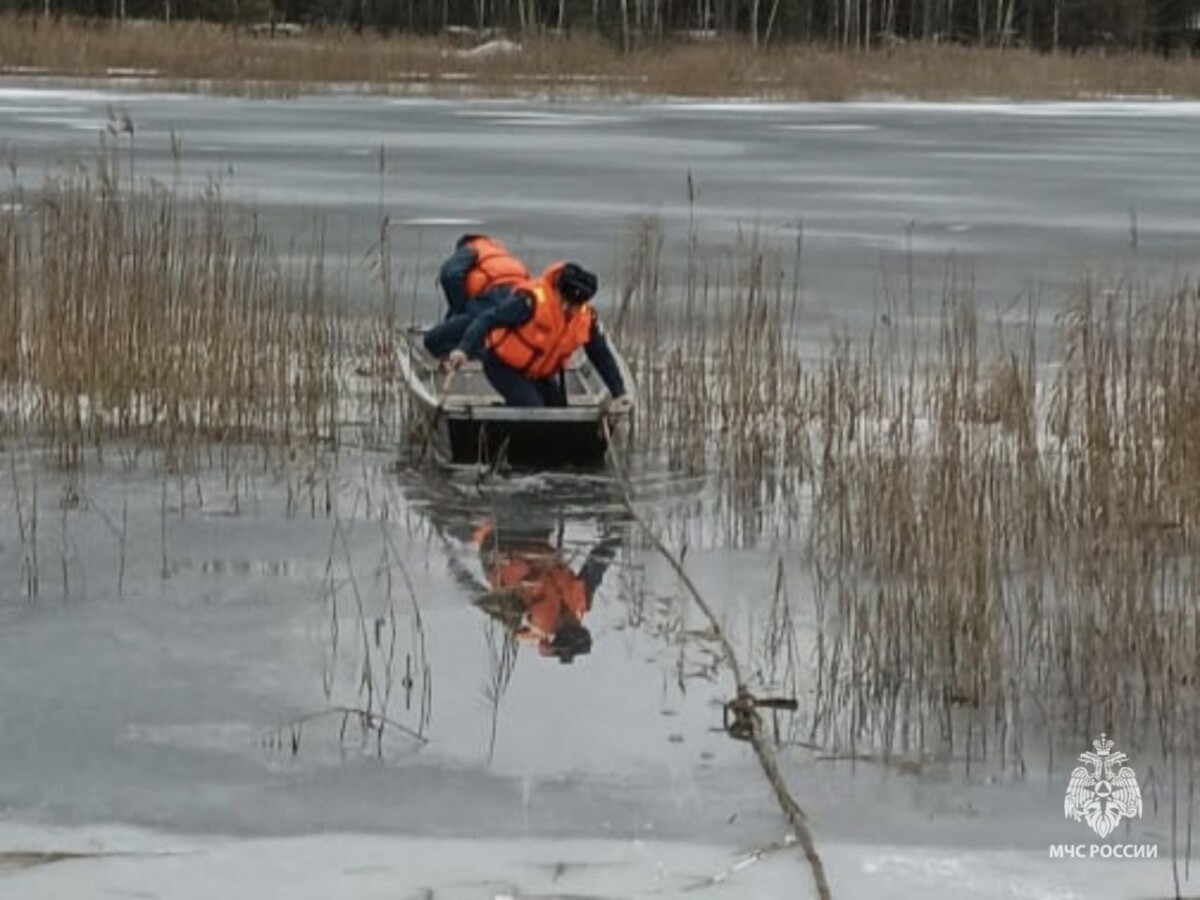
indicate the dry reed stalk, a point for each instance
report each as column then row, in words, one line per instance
column 12, row 264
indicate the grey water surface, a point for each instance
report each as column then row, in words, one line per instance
column 1016, row 197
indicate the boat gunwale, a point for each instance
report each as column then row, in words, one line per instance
column 467, row 409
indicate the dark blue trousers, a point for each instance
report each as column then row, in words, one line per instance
column 517, row 390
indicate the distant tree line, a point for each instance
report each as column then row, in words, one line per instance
column 1150, row 25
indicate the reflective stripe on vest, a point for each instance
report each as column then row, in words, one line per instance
column 494, row 266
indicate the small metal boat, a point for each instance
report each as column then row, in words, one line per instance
column 466, row 422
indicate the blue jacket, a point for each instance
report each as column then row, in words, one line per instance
column 505, row 307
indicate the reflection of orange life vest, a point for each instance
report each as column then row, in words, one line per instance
column 494, row 266
column 543, row 346
column 546, row 585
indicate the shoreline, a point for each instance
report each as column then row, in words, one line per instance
column 198, row 57
column 461, row 87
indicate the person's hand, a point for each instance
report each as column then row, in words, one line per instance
column 456, row 360
column 620, row 406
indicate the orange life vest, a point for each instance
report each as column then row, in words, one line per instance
column 494, row 266
column 546, row 586
column 543, row 346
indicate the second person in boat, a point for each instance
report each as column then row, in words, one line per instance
column 480, row 273
column 526, row 341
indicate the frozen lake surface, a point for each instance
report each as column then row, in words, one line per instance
column 166, row 712
column 1020, row 196
column 173, row 675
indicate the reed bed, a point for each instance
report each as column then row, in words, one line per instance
column 718, row 375
column 200, row 56
column 999, row 550
column 1001, row 542
column 147, row 315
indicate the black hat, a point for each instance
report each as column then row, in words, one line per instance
column 576, row 283
column 571, row 640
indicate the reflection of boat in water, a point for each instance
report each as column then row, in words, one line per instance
column 531, row 554
column 467, row 421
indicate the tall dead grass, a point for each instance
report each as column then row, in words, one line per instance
column 718, row 374
column 12, row 264
column 1000, row 549
column 132, row 313
column 204, row 56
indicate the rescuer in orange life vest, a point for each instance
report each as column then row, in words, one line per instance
column 478, row 265
column 478, row 274
column 526, row 339
column 550, row 598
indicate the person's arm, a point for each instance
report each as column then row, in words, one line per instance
column 602, row 358
column 444, row 337
column 596, row 565
column 510, row 309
